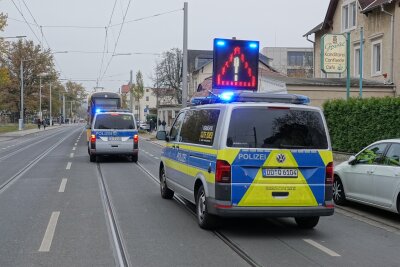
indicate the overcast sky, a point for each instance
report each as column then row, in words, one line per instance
column 273, row 23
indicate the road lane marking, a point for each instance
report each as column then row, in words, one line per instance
column 49, row 234
column 151, row 155
column 68, row 166
column 75, row 144
column 73, row 148
column 62, row 185
column 71, row 155
column 156, row 157
column 322, row 248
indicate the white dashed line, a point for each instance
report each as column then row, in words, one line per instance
column 62, row 185
column 151, row 155
column 73, row 148
column 71, row 155
column 322, row 248
column 68, row 166
column 75, row 144
column 156, row 158
column 49, row 234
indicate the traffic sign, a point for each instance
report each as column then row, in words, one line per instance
column 235, row 64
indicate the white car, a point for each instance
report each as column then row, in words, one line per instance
column 371, row 177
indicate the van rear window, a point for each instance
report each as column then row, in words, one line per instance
column 262, row 127
column 114, row 121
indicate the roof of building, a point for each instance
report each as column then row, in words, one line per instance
column 365, row 5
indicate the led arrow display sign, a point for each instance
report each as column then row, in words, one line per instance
column 235, row 64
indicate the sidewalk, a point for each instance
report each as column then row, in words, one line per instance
column 16, row 134
column 152, row 138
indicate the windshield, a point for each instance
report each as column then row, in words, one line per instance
column 276, row 128
column 114, row 121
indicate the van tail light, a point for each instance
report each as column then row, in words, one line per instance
column 136, row 139
column 93, row 138
column 223, row 172
column 329, row 174
column 328, row 183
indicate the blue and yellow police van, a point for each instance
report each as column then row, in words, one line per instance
column 250, row 155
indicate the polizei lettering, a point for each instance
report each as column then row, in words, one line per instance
column 253, row 156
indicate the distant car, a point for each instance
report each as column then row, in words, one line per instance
column 371, row 177
column 144, row 126
column 113, row 133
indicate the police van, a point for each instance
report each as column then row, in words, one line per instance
column 250, row 155
column 113, row 133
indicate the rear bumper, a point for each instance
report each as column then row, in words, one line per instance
column 100, row 152
column 221, row 209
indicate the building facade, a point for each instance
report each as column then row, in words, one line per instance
column 379, row 20
column 292, row 61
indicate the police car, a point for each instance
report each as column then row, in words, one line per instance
column 250, row 155
column 113, row 133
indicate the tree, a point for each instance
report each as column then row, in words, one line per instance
column 4, row 74
column 168, row 73
column 138, row 89
column 75, row 93
column 35, row 61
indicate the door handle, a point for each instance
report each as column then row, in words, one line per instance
column 370, row 172
column 397, row 174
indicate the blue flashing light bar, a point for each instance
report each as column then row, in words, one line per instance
column 253, row 45
column 98, row 110
column 230, row 97
column 220, row 43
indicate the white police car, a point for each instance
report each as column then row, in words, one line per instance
column 248, row 155
column 113, row 133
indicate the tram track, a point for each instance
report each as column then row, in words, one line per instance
column 229, row 242
column 30, row 145
column 115, row 231
column 4, row 186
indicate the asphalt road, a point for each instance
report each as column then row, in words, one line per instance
column 58, row 209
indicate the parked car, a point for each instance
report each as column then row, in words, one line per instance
column 144, row 126
column 371, row 177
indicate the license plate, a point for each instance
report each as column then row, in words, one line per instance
column 279, row 173
column 114, row 138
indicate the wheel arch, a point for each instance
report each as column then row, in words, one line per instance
column 200, row 181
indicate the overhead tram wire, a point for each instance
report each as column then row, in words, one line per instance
column 27, row 23
column 106, row 40
column 148, row 17
column 43, row 36
column 116, row 43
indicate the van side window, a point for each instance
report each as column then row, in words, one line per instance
column 173, row 135
column 199, row 126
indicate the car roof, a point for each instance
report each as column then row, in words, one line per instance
column 394, row 140
column 254, row 104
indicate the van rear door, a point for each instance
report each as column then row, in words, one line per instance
column 281, row 156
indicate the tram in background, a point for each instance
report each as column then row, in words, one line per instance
column 98, row 102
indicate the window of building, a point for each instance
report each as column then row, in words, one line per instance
column 147, row 98
column 349, row 15
column 136, row 108
column 357, row 61
column 295, row 58
column 376, row 58
column 147, row 90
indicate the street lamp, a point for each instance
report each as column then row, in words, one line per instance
column 43, row 74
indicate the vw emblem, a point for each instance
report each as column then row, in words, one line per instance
column 114, row 133
column 280, row 158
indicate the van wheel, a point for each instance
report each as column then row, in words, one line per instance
column 307, row 222
column 339, row 196
column 92, row 158
column 166, row 193
column 205, row 220
column 134, row 158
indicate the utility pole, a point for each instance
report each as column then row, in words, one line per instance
column 361, row 60
column 185, row 60
column 63, row 97
column 348, row 67
column 40, row 97
column 130, row 91
column 21, row 114
column 51, row 118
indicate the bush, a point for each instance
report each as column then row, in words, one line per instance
column 355, row 123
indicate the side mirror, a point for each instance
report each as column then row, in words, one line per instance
column 162, row 135
column 352, row 160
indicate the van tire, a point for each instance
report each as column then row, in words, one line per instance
column 92, row 158
column 166, row 193
column 205, row 220
column 134, row 158
column 307, row 222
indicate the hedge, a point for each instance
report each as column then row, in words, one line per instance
column 356, row 123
